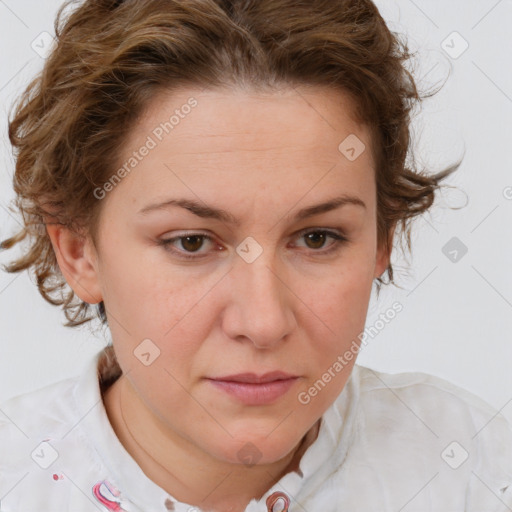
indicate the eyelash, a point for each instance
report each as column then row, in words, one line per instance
column 339, row 240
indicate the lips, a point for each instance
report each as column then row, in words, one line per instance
column 252, row 378
column 253, row 389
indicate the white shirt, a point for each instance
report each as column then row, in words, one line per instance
column 398, row 443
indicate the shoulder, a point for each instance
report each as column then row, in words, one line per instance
column 418, row 383
column 431, row 428
column 49, row 403
column 46, row 412
column 431, row 397
column 415, row 441
column 52, row 409
column 46, row 453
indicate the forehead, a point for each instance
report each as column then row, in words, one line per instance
column 315, row 115
column 244, row 139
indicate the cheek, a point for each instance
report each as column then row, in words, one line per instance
column 149, row 299
column 333, row 332
column 334, row 319
column 341, row 300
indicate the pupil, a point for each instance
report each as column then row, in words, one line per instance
column 192, row 247
column 318, row 236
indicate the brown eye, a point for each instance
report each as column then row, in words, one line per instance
column 316, row 239
column 186, row 245
column 192, row 243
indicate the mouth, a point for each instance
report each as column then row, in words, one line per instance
column 252, row 389
column 253, row 378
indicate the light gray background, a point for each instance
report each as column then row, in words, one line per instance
column 456, row 321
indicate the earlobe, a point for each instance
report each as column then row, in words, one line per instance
column 77, row 262
column 384, row 256
column 381, row 263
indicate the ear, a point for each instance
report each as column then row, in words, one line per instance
column 384, row 255
column 77, row 260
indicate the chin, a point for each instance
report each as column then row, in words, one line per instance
column 257, row 450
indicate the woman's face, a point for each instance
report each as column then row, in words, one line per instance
column 262, row 284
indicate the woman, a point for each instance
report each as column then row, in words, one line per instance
column 224, row 179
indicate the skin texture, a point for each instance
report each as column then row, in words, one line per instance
column 296, row 308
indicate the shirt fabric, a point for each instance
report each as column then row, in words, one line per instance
column 390, row 442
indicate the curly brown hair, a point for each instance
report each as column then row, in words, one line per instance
column 112, row 57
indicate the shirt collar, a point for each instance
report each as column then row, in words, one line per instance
column 320, row 459
column 128, row 477
column 326, row 455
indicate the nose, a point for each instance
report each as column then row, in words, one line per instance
column 260, row 308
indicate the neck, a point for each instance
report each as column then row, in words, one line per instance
column 182, row 469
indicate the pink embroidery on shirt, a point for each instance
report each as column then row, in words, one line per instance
column 108, row 495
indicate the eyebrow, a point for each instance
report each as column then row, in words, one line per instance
column 209, row 212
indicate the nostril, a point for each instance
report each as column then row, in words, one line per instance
column 278, row 502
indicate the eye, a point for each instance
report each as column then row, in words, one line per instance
column 191, row 243
column 316, row 238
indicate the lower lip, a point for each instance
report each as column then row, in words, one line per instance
column 255, row 394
